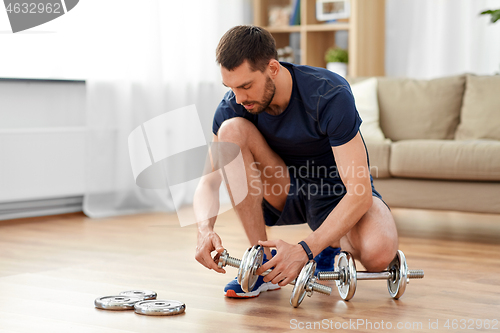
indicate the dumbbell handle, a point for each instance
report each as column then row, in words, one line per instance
column 234, row 262
column 384, row 275
column 225, row 259
column 320, row 288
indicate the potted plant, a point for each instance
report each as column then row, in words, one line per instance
column 495, row 14
column 336, row 60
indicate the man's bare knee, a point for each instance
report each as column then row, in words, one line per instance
column 376, row 237
column 376, row 257
column 234, row 130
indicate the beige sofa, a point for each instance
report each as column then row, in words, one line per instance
column 442, row 146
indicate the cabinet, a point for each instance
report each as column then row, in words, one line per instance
column 365, row 26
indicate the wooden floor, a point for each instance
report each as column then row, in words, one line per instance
column 52, row 269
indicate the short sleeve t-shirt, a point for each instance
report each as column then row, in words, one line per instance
column 321, row 114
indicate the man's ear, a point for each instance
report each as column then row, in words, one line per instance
column 273, row 68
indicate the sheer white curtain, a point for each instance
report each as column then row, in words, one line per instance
column 429, row 38
column 150, row 57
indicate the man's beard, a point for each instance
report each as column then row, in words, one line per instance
column 269, row 91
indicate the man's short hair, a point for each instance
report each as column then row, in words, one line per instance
column 246, row 42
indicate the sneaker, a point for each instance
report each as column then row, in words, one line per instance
column 325, row 261
column 233, row 288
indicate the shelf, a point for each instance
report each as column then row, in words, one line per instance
column 311, row 27
column 284, row 29
column 327, row 27
column 365, row 26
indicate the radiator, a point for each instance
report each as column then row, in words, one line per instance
column 42, row 147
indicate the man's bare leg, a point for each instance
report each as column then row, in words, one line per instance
column 264, row 169
column 374, row 239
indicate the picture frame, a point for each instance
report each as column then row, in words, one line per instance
column 327, row 10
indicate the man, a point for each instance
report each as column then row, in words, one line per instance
column 302, row 120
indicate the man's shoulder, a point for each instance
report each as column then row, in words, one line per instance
column 317, row 77
column 317, row 86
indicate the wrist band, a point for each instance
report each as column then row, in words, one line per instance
column 307, row 249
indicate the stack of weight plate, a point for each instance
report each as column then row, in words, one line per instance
column 142, row 301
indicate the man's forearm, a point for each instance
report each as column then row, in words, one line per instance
column 338, row 223
column 206, row 205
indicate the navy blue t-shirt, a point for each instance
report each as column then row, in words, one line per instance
column 321, row 114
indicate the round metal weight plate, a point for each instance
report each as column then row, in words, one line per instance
column 243, row 265
column 252, row 259
column 299, row 289
column 143, row 294
column 159, row 308
column 348, row 282
column 116, row 303
column 399, row 269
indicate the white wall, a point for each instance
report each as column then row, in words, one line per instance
column 433, row 38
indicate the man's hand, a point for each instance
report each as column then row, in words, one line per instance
column 207, row 242
column 287, row 263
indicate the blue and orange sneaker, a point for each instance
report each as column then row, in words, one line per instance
column 325, row 261
column 233, row 288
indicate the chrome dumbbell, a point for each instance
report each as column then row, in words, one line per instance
column 346, row 276
column 247, row 266
column 305, row 284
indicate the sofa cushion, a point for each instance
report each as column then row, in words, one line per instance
column 379, row 153
column 365, row 97
column 467, row 196
column 480, row 115
column 446, row 159
column 420, row 109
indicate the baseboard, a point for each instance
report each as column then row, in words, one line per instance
column 42, row 207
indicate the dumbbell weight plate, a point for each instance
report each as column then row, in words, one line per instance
column 159, row 308
column 251, row 261
column 144, row 294
column 299, row 289
column 347, row 284
column 242, row 270
column 116, row 303
column 398, row 266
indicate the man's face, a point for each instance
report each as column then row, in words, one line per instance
column 252, row 89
